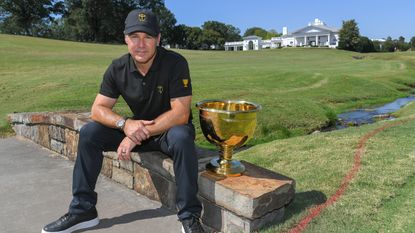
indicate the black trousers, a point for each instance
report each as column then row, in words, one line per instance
column 177, row 142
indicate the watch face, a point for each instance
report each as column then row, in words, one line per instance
column 120, row 123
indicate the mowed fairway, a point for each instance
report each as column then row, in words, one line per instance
column 300, row 90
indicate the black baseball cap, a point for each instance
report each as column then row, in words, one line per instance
column 142, row 21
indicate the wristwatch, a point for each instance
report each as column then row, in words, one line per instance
column 120, row 123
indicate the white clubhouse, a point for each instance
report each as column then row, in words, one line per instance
column 316, row 33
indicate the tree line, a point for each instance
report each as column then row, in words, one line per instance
column 102, row 21
column 350, row 39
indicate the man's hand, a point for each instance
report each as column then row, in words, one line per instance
column 125, row 148
column 136, row 130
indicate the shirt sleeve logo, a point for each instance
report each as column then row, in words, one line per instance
column 160, row 89
column 185, row 82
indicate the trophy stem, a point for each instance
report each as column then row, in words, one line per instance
column 224, row 165
column 226, row 152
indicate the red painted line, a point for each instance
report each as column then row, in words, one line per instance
column 316, row 210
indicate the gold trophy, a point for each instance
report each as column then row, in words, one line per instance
column 228, row 124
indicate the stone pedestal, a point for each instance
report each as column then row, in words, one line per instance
column 245, row 203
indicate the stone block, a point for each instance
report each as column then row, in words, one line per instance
column 57, row 133
column 38, row 118
column 154, row 186
column 27, row 131
column 43, row 136
column 161, row 163
column 106, row 169
column 56, row 146
column 252, row 195
column 81, row 120
column 110, row 155
column 222, row 220
column 156, row 162
column 71, row 145
column 20, row 130
column 29, row 118
column 57, row 119
column 124, row 164
column 123, row 177
column 34, row 133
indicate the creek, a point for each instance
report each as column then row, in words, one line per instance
column 366, row 116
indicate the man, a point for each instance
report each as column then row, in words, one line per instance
column 156, row 85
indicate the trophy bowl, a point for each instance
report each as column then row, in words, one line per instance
column 228, row 124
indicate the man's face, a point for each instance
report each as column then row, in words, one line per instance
column 142, row 46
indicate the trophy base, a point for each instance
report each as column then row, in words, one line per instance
column 225, row 167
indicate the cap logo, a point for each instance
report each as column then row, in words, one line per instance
column 142, row 17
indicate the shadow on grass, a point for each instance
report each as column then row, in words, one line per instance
column 128, row 218
column 303, row 201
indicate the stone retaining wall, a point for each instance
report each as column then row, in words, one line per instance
column 233, row 204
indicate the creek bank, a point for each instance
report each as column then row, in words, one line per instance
column 360, row 117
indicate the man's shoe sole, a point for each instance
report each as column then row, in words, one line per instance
column 79, row 226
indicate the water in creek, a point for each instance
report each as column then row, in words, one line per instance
column 367, row 116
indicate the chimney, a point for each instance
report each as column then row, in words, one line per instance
column 284, row 31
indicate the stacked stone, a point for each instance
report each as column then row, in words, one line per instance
column 245, row 203
column 56, row 131
column 230, row 204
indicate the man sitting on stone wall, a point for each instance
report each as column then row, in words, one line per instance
column 155, row 83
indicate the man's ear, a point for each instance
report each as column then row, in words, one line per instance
column 158, row 39
column 125, row 39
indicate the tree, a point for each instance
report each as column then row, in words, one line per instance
column 389, row 45
column 401, row 45
column 28, row 17
column 211, row 39
column 166, row 18
column 365, row 45
column 216, row 33
column 87, row 20
column 103, row 20
column 412, row 43
column 194, row 36
column 378, row 45
column 349, row 35
column 264, row 34
column 257, row 31
column 233, row 33
column 179, row 37
column 96, row 20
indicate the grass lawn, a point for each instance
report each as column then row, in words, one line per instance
column 301, row 90
column 380, row 198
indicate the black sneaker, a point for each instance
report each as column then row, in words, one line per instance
column 192, row 225
column 71, row 222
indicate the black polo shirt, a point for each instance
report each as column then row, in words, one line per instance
column 148, row 96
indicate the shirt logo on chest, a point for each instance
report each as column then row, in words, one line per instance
column 160, row 89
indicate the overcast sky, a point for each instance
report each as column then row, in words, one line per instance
column 376, row 19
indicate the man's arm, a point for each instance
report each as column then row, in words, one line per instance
column 177, row 115
column 101, row 111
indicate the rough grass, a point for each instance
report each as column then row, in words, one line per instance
column 380, row 198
